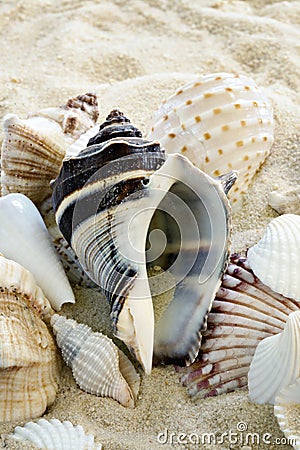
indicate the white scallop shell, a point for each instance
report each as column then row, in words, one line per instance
column 24, row 238
column 220, row 122
column 286, row 202
column 55, row 435
column 276, row 362
column 98, row 366
column 275, row 259
column 287, row 412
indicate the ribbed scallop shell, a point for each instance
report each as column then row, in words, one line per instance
column 33, row 148
column 55, row 435
column 276, row 362
column 25, row 239
column 287, row 412
column 275, row 259
column 106, row 199
column 98, row 366
column 286, row 202
column 29, row 360
column 220, row 122
column 244, row 312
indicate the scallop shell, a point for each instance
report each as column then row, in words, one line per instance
column 29, row 364
column 287, row 412
column 220, row 122
column 244, row 312
column 275, row 259
column 25, row 239
column 55, row 435
column 276, row 362
column 285, row 202
column 33, row 149
column 98, row 366
column 114, row 194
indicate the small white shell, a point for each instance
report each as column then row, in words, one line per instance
column 55, row 435
column 24, row 238
column 275, row 259
column 287, row 412
column 285, row 202
column 276, row 362
column 98, row 366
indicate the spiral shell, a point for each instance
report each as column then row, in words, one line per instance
column 287, row 412
column 220, row 122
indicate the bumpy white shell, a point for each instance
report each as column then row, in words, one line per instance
column 286, row 202
column 275, row 259
column 55, row 435
column 29, row 358
column 220, row 122
column 287, row 412
column 24, row 238
column 98, row 366
column 276, row 362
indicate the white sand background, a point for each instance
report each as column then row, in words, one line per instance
column 133, row 54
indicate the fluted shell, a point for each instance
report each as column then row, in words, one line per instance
column 29, row 364
column 33, row 148
column 109, row 199
column 98, row 366
column 285, row 202
column 275, row 259
column 220, row 122
column 55, row 435
column 244, row 312
column 24, row 238
column 276, row 362
column 287, row 412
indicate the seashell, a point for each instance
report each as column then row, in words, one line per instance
column 220, row 122
column 275, row 259
column 286, row 202
column 33, row 149
column 287, row 412
column 98, row 366
column 29, row 364
column 244, row 312
column 55, row 435
column 114, row 194
column 276, row 362
column 25, row 239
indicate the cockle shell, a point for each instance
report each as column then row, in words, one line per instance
column 33, row 149
column 287, row 412
column 98, row 366
column 275, row 259
column 29, row 364
column 276, row 362
column 114, row 194
column 55, row 435
column 25, row 239
column 244, row 312
column 220, row 122
column 286, row 202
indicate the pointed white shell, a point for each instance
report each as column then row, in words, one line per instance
column 287, row 412
column 275, row 259
column 286, row 202
column 55, row 435
column 24, row 238
column 98, row 366
column 276, row 362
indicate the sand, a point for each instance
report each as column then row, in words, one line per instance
column 133, row 54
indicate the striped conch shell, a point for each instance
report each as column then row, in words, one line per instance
column 98, row 366
column 113, row 196
column 29, row 364
column 33, row 149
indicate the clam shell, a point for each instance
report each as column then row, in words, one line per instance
column 285, row 202
column 287, row 412
column 98, row 366
column 25, row 239
column 220, row 122
column 244, row 312
column 275, row 259
column 114, row 194
column 33, row 148
column 29, row 364
column 55, row 435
